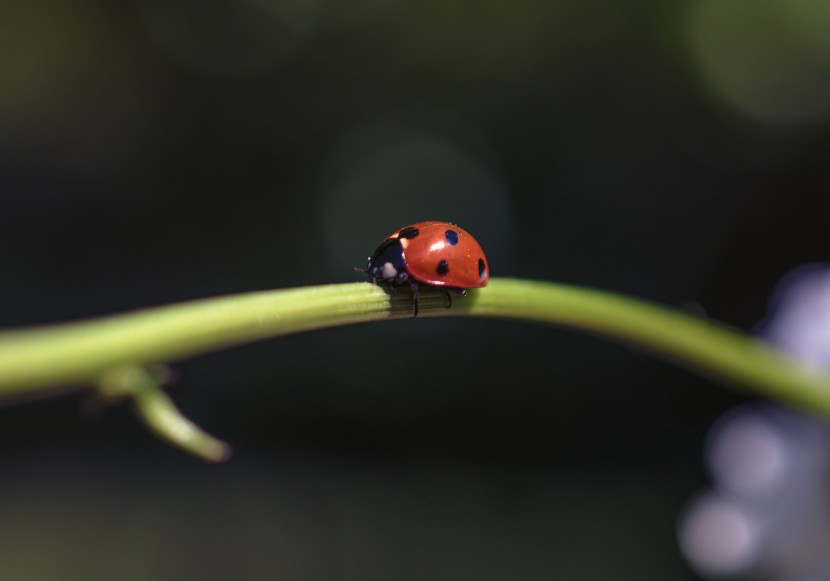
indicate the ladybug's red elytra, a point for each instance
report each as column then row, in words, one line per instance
column 430, row 253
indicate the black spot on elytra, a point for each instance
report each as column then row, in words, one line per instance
column 408, row 232
column 443, row 267
column 482, row 268
column 452, row 237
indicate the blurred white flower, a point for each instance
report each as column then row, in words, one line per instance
column 799, row 320
column 768, row 512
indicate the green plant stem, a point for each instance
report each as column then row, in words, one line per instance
column 33, row 360
column 707, row 347
column 159, row 413
column 78, row 353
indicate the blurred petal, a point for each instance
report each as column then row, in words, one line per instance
column 747, row 455
column 718, row 538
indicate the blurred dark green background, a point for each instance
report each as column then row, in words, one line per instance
column 153, row 152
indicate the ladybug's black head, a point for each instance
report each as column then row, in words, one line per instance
column 388, row 263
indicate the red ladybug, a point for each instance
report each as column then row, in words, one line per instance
column 431, row 253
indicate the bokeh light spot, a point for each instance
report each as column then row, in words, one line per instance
column 388, row 172
column 799, row 319
column 747, row 455
column 718, row 538
column 762, row 58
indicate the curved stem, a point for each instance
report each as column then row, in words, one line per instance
column 78, row 353
column 34, row 360
column 702, row 345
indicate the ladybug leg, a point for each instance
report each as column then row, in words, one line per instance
column 447, row 291
column 414, row 286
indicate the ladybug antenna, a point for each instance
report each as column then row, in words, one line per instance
column 356, row 269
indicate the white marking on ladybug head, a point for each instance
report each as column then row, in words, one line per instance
column 388, row 271
column 404, row 242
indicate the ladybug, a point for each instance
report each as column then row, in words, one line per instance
column 433, row 254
